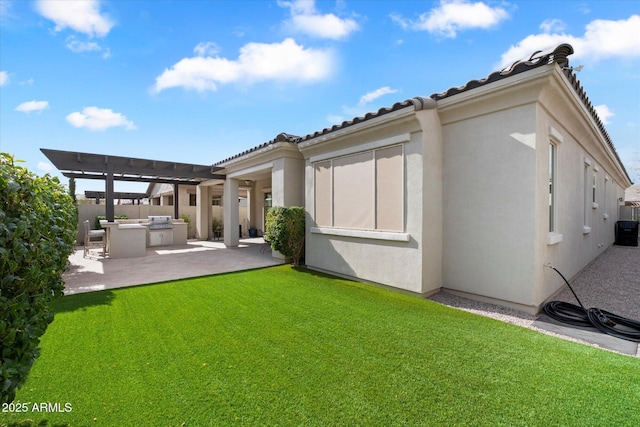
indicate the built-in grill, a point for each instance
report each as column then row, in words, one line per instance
column 160, row 222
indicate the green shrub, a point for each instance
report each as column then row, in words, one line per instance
column 37, row 234
column 285, row 231
column 97, row 219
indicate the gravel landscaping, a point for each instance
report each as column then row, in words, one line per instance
column 611, row 282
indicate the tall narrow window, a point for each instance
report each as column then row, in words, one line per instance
column 389, row 189
column 604, row 197
column 587, row 197
column 552, row 187
column 593, row 188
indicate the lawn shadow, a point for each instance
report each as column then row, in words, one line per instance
column 69, row 303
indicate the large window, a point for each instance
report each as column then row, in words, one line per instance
column 361, row 191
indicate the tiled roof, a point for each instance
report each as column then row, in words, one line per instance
column 542, row 57
column 558, row 54
column 587, row 103
column 418, row 103
column 281, row 137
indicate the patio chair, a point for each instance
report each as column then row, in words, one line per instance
column 94, row 239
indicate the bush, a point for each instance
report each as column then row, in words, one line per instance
column 285, row 231
column 37, row 235
column 97, row 219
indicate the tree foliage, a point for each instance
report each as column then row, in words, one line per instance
column 72, row 190
column 37, row 235
column 285, row 231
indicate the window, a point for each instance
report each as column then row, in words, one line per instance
column 322, row 190
column 192, row 199
column 556, row 139
column 586, row 228
column 604, row 190
column 552, row 187
column 593, row 191
column 361, row 191
column 217, row 201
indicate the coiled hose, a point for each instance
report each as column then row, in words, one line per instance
column 604, row 321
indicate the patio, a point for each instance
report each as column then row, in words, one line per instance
column 196, row 258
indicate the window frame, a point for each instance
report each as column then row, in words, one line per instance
column 366, row 232
column 553, row 226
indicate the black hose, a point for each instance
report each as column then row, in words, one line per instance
column 604, row 321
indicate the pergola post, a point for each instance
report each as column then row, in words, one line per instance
column 175, row 201
column 110, row 210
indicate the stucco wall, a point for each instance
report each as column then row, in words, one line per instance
column 580, row 147
column 489, row 170
column 388, row 262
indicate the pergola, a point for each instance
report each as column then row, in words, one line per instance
column 97, row 195
column 115, row 168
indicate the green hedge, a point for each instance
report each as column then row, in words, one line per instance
column 97, row 219
column 285, row 231
column 37, row 234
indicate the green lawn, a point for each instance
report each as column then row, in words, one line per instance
column 280, row 346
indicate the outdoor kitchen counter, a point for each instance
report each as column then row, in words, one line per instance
column 130, row 238
column 125, row 240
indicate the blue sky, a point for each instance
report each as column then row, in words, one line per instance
column 199, row 81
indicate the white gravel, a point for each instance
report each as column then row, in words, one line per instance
column 611, row 282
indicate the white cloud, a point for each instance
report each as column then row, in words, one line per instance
column 552, row 25
column 306, row 20
column 4, row 78
column 373, row 95
column 94, row 118
column 604, row 113
column 452, row 16
column 362, row 108
column 29, row 106
column 78, row 46
column 601, row 39
column 605, row 38
column 81, row 16
column 44, row 167
column 286, row 61
column 206, row 49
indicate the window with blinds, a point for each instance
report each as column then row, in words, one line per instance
column 361, row 191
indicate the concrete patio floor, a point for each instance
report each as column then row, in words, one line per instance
column 197, row 258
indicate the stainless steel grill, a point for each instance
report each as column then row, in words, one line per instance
column 160, row 222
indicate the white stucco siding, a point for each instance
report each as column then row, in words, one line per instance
column 587, row 228
column 489, row 175
column 369, row 254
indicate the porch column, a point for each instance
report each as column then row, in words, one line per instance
column 231, row 211
column 203, row 207
column 287, row 182
column 252, row 213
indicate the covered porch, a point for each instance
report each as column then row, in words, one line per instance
column 266, row 176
